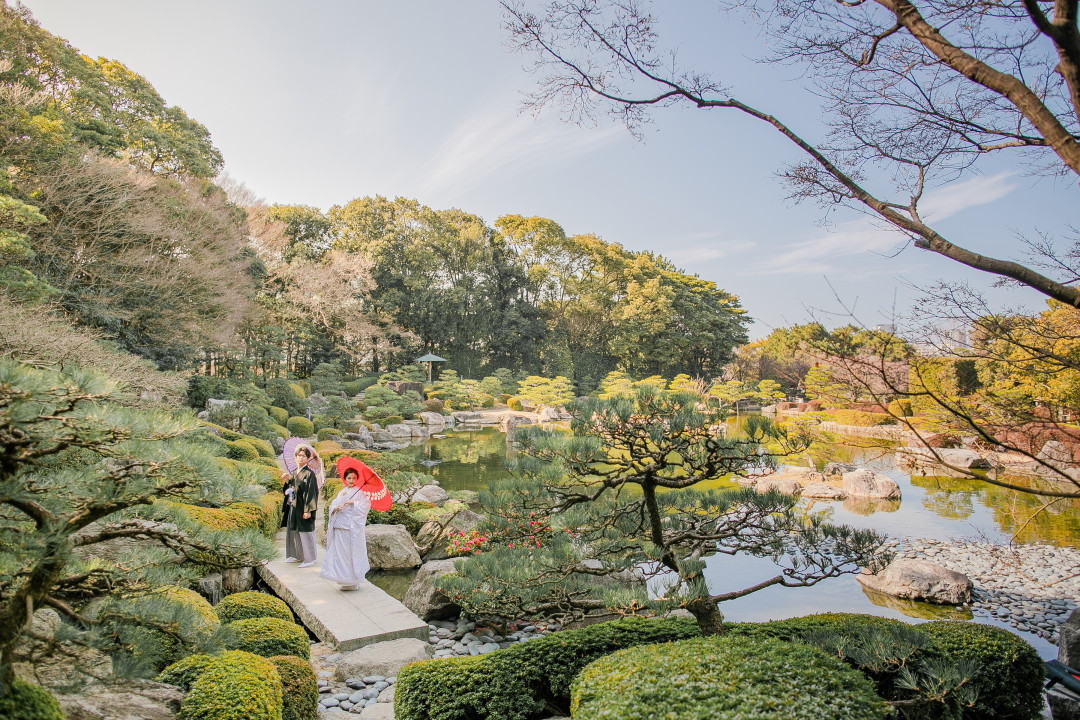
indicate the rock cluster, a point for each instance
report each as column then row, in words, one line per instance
column 462, row 637
column 1033, row 587
column 355, row 695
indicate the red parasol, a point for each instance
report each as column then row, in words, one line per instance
column 370, row 483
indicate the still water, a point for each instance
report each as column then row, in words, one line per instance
column 938, row 508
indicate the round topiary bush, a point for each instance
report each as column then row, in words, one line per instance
column 183, row 673
column 280, row 431
column 434, row 404
column 191, row 616
column 269, row 636
column 298, row 390
column 391, row 420
column 299, row 688
column 263, row 447
column 29, row 702
column 514, row 403
column 300, row 427
column 279, row 415
column 1010, row 673
column 241, row 450
column 720, row 678
column 251, row 604
column 327, row 433
column 235, row 686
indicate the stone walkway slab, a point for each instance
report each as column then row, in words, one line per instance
column 347, row 619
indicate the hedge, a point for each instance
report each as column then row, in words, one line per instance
column 241, row 450
column 25, row 701
column 300, row 427
column 280, row 431
column 264, row 516
column 264, row 448
column 235, row 685
column 325, row 447
column 724, row 678
column 269, row 636
column 279, row 415
column 251, row 604
column 1009, row 680
column 299, row 688
column 328, row 432
column 526, row 680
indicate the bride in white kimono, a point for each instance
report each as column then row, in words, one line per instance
column 346, row 559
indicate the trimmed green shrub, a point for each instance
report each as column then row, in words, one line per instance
column 327, row 433
column 526, row 680
column 267, row 462
column 434, row 404
column 234, row 686
column 900, row 408
column 253, row 473
column 183, row 673
column 390, row 420
column 264, row 448
column 269, row 636
column 280, row 431
column 278, row 415
column 242, row 450
column 396, row 515
column 1010, row 673
column 251, row 604
column 25, row 701
column 299, row 688
column 514, row 403
column 238, row 516
column 305, row 385
column 727, row 679
column 355, row 387
column 861, row 418
column 300, row 427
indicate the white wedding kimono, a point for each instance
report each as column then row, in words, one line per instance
column 346, row 559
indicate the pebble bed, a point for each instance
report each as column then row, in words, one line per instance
column 1033, row 588
column 355, row 694
column 463, row 637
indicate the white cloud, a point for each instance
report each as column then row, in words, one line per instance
column 497, row 141
column 956, row 198
column 819, row 254
column 688, row 251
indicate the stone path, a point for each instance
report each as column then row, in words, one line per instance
column 344, row 619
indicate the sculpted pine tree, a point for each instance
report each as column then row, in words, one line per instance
column 78, row 472
column 618, row 517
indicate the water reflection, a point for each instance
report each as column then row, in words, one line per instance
column 914, row 609
column 869, row 506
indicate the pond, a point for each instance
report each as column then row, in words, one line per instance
column 931, row 507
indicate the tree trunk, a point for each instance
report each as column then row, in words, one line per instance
column 708, row 615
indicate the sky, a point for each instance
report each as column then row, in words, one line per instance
column 322, row 102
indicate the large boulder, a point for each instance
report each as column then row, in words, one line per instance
column 382, row 710
column 385, row 658
column 433, row 420
column 823, row 491
column 920, row 580
column 1068, row 653
column 402, row 430
column 235, row 580
column 547, row 414
column 431, row 494
column 867, row 484
column 788, row 484
column 390, row 547
column 128, row 700
column 424, row 599
column 467, row 417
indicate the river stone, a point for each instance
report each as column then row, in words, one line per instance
column 390, row 547
column 1069, row 641
column 128, row 700
column 424, row 599
column 920, row 580
column 385, row 658
column 236, row 580
column 467, row 417
column 547, row 414
column 867, row 484
column 824, row 491
column 431, row 494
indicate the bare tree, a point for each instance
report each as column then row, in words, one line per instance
column 915, row 94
